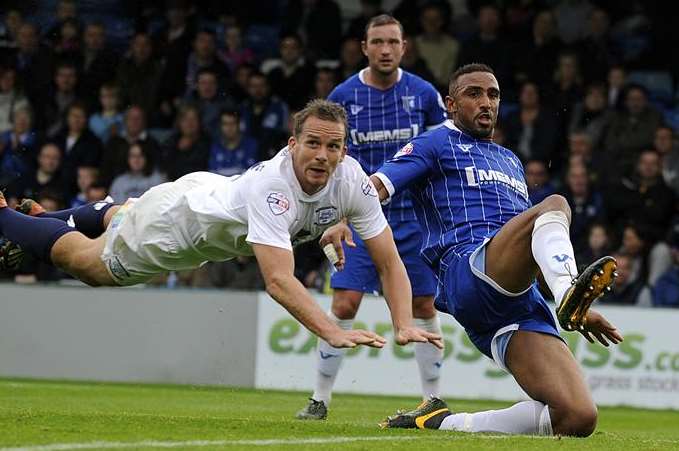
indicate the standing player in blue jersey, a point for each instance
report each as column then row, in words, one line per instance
column 487, row 244
column 387, row 107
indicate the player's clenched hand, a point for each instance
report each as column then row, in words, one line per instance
column 412, row 334
column 332, row 238
column 601, row 328
column 352, row 338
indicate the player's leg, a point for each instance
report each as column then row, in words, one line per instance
column 429, row 358
column 91, row 219
column 539, row 238
column 55, row 241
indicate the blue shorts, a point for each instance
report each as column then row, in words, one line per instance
column 489, row 313
column 359, row 273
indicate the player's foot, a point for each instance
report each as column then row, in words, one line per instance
column 427, row 415
column 315, row 410
column 30, row 207
column 11, row 255
column 591, row 284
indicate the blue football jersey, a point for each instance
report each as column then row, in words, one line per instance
column 383, row 121
column 463, row 189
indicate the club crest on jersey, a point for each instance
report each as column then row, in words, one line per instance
column 326, row 216
column 464, row 147
column 355, row 109
column 278, row 203
column 408, row 103
column 405, row 150
column 368, row 188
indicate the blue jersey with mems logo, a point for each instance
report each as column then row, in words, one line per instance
column 463, row 189
column 383, row 121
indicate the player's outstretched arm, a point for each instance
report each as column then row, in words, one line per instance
column 397, row 290
column 331, row 243
column 277, row 266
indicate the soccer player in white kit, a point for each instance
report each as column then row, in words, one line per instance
column 294, row 197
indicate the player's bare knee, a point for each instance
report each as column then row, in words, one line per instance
column 582, row 420
column 555, row 202
column 345, row 304
column 423, row 307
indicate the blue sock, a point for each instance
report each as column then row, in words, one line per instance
column 35, row 235
column 88, row 219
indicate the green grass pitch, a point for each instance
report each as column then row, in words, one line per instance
column 59, row 416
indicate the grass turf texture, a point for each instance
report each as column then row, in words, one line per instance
column 44, row 413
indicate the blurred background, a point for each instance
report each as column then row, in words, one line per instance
column 112, row 97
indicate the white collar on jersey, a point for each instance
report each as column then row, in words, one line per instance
column 451, row 125
column 361, row 75
column 299, row 192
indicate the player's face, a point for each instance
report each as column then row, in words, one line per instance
column 384, row 47
column 317, row 152
column 474, row 104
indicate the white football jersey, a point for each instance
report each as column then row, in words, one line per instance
column 208, row 217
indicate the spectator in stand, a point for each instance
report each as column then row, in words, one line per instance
column 114, row 160
column 598, row 48
column 293, row 80
column 46, row 177
column 592, row 114
column 628, row 289
column 86, row 177
column 174, row 43
column 351, row 58
column 537, row 180
column 631, row 131
column 234, row 53
column 9, row 30
column 261, row 113
column 109, row 120
column 644, row 199
column 369, row 9
column 68, row 44
column 34, row 63
column 11, row 97
column 66, row 10
column 204, row 56
column 326, row 80
column 232, row 152
column 488, row 47
column 571, row 18
column 62, row 96
column 139, row 75
column 81, row 147
column 413, row 62
column 617, row 78
column 210, row 101
column 531, row 130
column 97, row 62
column 96, row 192
column 239, row 89
column 598, row 244
column 666, row 288
column 139, row 177
column 587, row 204
column 536, row 59
column 18, row 146
column 436, row 47
column 319, row 22
column 188, row 150
column 668, row 150
column 566, row 90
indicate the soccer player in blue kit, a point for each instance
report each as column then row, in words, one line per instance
column 386, row 107
column 487, row 245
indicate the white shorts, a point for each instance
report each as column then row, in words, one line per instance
column 141, row 240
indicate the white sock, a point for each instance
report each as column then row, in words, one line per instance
column 526, row 417
column 429, row 358
column 328, row 363
column 553, row 252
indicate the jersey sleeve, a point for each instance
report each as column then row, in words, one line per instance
column 271, row 212
column 414, row 161
column 365, row 212
column 435, row 112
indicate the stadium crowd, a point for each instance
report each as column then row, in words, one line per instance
column 114, row 97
